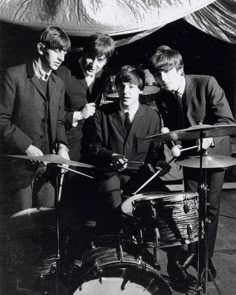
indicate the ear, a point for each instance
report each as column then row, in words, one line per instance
column 41, row 48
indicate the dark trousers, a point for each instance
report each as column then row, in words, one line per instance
column 111, row 188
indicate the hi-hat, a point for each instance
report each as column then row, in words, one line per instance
column 51, row 159
column 195, row 132
column 208, row 162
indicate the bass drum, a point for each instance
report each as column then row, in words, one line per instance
column 109, row 269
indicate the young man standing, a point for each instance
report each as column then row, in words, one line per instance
column 32, row 121
column 188, row 100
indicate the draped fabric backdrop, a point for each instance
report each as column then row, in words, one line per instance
column 123, row 17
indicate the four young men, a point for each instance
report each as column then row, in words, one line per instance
column 32, row 119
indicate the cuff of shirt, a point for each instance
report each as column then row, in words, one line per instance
column 77, row 116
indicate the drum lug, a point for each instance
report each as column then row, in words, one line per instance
column 141, row 264
column 190, row 232
column 186, row 206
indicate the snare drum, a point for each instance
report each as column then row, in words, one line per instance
column 113, row 266
column 164, row 219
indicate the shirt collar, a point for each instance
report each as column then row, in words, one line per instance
column 131, row 112
column 39, row 72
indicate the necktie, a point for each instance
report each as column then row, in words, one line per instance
column 180, row 110
column 127, row 122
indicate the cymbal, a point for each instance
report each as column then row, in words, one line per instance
column 195, row 132
column 208, row 162
column 31, row 218
column 52, row 159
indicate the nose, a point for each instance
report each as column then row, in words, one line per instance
column 61, row 56
column 125, row 89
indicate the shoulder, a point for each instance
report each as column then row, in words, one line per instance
column 109, row 108
column 201, row 79
column 149, row 112
column 18, row 69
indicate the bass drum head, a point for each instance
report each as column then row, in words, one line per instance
column 112, row 270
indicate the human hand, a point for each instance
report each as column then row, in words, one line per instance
column 33, row 151
column 176, row 150
column 118, row 162
column 206, row 143
column 164, row 167
column 63, row 152
column 88, row 110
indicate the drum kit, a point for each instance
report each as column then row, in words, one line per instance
column 123, row 264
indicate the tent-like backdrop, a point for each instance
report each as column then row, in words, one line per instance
column 132, row 18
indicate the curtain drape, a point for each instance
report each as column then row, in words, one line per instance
column 218, row 19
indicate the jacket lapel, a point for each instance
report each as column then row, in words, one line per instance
column 189, row 100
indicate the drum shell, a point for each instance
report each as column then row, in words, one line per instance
column 165, row 219
column 128, row 271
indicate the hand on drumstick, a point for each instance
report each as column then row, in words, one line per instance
column 118, row 162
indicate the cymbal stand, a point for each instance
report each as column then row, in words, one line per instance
column 203, row 228
column 59, row 184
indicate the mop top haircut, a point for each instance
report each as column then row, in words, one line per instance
column 98, row 45
column 55, row 38
column 132, row 75
column 165, row 59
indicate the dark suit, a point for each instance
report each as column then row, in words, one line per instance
column 111, row 137
column 77, row 95
column 28, row 116
column 204, row 102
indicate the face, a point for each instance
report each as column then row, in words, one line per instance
column 169, row 80
column 52, row 58
column 93, row 65
column 128, row 94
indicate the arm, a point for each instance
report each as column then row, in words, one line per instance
column 14, row 139
column 219, row 109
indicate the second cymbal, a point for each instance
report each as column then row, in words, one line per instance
column 195, row 132
column 208, row 162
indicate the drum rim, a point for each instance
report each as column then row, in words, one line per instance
column 151, row 196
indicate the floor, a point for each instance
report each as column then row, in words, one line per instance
column 224, row 257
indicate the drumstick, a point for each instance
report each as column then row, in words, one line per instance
column 75, row 171
column 135, row 162
column 151, row 178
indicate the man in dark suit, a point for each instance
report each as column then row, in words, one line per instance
column 184, row 101
column 32, row 121
column 85, row 81
column 119, row 129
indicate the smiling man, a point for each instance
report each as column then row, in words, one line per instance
column 117, row 144
column 32, row 121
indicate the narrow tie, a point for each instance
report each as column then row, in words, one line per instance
column 180, row 110
column 127, row 122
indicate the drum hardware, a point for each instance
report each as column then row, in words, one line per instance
column 203, row 163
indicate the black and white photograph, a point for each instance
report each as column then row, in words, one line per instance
column 117, row 147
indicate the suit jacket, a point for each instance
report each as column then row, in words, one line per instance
column 205, row 103
column 110, row 135
column 21, row 121
column 77, row 95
